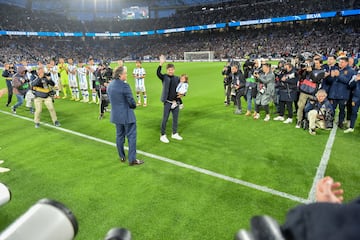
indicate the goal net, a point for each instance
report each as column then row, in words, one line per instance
column 206, row 56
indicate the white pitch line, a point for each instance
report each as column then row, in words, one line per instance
column 180, row 164
column 323, row 163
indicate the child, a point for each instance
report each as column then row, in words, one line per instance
column 181, row 89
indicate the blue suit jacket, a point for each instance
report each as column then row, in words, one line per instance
column 122, row 102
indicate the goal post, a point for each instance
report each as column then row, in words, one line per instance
column 200, row 56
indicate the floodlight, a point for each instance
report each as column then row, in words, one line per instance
column 45, row 220
column 5, row 194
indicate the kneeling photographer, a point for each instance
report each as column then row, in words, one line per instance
column 41, row 87
column 319, row 112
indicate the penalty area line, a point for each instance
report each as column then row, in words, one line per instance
column 177, row 163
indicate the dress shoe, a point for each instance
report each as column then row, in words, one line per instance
column 136, row 162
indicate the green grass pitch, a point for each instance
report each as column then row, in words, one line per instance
column 159, row 200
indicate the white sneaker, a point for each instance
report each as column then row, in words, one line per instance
column 279, row 118
column 256, row 116
column 176, row 136
column 2, row 170
column 289, row 120
column 267, row 118
column 164, row 139
column 349, row 130
column 298, row 124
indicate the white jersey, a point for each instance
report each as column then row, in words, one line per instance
column 82, row 78
column 72, row 76
column 91, row 72
column 54, row 73
column 139, row 74
column 182, row 88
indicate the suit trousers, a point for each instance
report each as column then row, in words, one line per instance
column 128, row 130
column 166, row 113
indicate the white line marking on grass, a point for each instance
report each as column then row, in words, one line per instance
column 323, row 163
column 179, row 164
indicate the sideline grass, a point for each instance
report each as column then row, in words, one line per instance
column 159, row 200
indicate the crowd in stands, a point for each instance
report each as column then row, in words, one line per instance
column 272, row 41
column 20, row 19
column 325, row 36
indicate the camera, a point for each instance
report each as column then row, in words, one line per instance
column 305, row 65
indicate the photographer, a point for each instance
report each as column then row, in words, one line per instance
column 41, row 86
column 310, row 79
column 20, row 85
column 265, row 90
column 227, row 83
column 237, row 86
column 103, row 75
column 8, row 73
column 287, row 92
column 319, row 112
column 250, row 67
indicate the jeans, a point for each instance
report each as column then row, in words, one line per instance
column 20, row 100
column 249, row 99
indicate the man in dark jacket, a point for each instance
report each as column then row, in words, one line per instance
column 20, row 84
column 122, row 115
column 339, row 91
column 287, row 93
column 355, row 101
column 169, row 82
column 238, row 83
column 8, row 73
column 41, row 86
column 325, row 219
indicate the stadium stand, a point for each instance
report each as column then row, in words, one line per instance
column 323, row 36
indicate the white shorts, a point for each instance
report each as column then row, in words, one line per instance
column 140, row 85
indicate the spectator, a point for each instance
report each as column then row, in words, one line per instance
column 339, row 91
column 355, row 101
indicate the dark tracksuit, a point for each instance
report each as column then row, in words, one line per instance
column 340, row 91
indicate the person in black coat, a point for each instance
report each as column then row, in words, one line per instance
column 287, row 86
column 327, row 219
column 169, row 94
column 238, row 84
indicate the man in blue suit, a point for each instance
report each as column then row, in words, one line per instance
column 122, row 115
